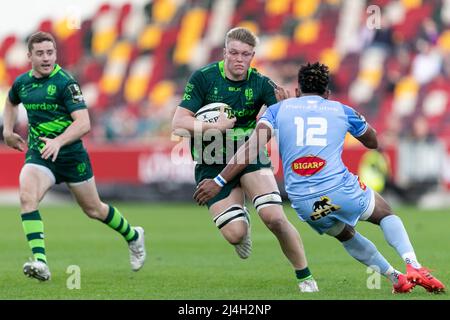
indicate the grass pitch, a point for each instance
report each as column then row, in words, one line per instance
column 189, row 259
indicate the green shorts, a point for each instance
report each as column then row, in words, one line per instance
column 71, row 168
column 203, row 171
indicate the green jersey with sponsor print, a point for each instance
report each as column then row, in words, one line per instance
column 245, row 97
column 49, row 101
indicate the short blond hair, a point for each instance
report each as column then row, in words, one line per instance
column 243, row 35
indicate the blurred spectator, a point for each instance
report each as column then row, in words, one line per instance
column 398, row 66
column 446, row 66
column 427, row 63
column 121, row 125
column 421, row 157
column 429, row 31
column 383, row 37
column 375, row 171
column 389, row 137
column 425, row 58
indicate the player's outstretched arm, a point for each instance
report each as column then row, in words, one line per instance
column 11, row 138
column 248, row 152
column 184, row 124
column 78, row 128
column 280, row 92
column 209, row 188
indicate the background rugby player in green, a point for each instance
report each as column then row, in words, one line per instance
column 234, row 82
column 57, row 119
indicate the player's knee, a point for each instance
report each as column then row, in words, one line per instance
column 232, row 223
column 382, row 209
column 234, row 235
column 276, row 224
column 269, row 208
column 386, row 210
column 28, row 199
column 341, row 231
column 95, row 210
column 265, row 200
column 92, row 212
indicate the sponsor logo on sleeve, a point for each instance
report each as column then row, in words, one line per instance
column 187, row 91
column 75, row 91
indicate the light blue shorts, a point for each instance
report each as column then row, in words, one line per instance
column 329, row 211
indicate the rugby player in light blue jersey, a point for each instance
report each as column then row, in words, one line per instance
column 311, row 130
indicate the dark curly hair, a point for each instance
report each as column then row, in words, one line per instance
column 313, row 78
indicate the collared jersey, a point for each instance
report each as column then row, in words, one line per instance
column 311, row 132
column 49, row 101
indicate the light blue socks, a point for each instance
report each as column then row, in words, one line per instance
column 396, row 235
column 363, row 250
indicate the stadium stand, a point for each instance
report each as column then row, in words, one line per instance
column 126, row 52
column 133, row 60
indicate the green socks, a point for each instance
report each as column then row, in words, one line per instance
column 33, row 228
column 303, row 274
column 117, row 222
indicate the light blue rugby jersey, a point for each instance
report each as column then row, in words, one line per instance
column 310, row 131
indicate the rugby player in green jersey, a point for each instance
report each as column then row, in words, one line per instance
column 57, row 119
column 234, row 82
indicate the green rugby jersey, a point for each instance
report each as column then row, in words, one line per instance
column 49, row 101
column 246, row 97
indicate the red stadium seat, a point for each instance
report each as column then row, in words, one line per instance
column 167, row 35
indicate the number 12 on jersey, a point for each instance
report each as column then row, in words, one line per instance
column 315, row 132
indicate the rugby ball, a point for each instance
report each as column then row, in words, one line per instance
column 211, row 112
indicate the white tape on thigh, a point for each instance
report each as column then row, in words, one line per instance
column 233, row 213
column 265, row 200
